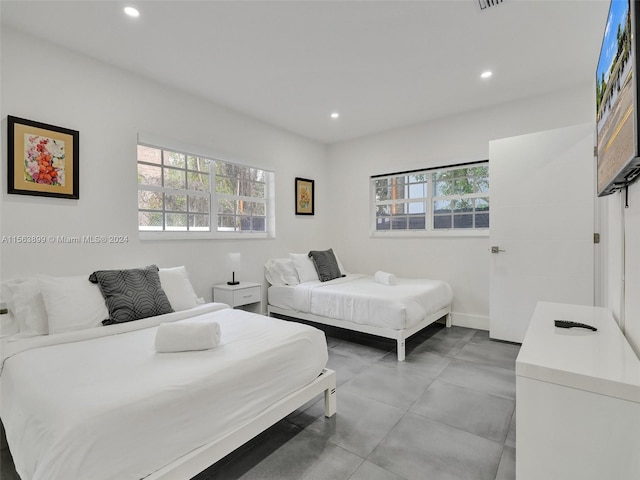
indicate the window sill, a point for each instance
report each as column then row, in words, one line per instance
column 430, row 233
column 162, row 236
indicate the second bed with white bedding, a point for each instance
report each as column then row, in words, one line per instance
column 357, row 302
column 360, row 299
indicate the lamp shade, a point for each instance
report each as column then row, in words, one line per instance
column 235, row 261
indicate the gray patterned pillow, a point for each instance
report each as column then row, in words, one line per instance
column 131, row 294
column 326, row 264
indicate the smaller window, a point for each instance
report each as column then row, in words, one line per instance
column 442, row 199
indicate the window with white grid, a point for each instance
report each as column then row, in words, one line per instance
column 443, row 200
column 184, row 192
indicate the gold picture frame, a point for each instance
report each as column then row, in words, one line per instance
column 42, row 159
column 304, row 196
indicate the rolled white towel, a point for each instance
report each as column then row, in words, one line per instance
column 386, row 278
column 187, row 336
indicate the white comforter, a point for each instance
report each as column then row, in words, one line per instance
column 97, row 406
column 360, row 299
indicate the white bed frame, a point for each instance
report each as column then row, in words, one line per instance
column 205, row 456
column 398, row 335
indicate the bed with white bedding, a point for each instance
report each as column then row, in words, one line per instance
column 101, row 403
column 357, row 302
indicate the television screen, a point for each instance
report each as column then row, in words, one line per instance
column 616, row 94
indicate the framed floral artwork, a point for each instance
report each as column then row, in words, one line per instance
column 42, row 159
column 304, row 196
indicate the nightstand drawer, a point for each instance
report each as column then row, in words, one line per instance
column 246, row 296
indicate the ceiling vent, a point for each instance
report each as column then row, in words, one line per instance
column 489, row 3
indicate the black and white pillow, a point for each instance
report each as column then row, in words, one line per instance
column 326, row 264
column 131, row 294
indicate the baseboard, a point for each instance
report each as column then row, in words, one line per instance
column 470, row 321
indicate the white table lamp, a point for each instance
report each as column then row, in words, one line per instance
column 235, row 261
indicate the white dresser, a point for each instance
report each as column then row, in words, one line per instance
column 577, row 398
column 244, row 295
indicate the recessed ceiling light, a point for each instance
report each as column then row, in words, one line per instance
column 132, row 12
column 486, row 74
column 335, row 115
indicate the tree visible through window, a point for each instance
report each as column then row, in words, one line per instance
column 461, row 198
column 241, row 193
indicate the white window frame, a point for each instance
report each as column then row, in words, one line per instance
column 428, row 202
column 213, row 233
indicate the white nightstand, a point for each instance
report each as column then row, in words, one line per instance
column 245, row 295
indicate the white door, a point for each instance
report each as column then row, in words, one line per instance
column 542, row 221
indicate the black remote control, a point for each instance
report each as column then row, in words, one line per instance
column 568, row 324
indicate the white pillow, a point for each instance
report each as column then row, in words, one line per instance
column 6, row 294
column 24, row 301
column 72, row 303
column 175, row 283
column 304, row 266
column 281, row 271
column 342, row 270
column 8, row 325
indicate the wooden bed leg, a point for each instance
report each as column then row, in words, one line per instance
column 330, row 401
column 447, row 320
column 401, row 350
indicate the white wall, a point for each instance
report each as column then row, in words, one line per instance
column 621, row 265
column 109, row 107
column 462, row 261
column 632, row 268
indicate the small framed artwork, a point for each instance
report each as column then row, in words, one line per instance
column 304, row 196
column 43, row 159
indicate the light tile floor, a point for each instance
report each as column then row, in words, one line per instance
column 446, row 413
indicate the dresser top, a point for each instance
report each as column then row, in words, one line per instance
column 239, row 286
column 600, row 362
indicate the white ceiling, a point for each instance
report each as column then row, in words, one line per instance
column 381, row 64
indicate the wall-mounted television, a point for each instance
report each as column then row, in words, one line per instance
column 617, row 119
